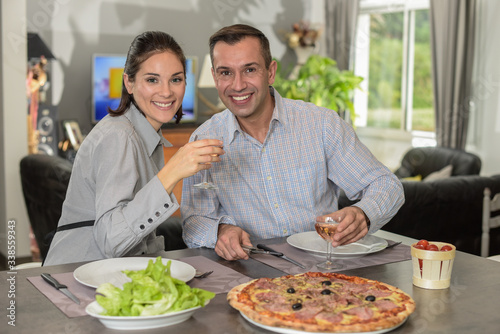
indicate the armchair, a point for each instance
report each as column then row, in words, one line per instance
column 44, row 181
column 426, row 160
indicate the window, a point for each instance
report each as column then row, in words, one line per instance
column 393, row 55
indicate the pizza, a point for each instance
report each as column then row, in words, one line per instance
column 322, row 302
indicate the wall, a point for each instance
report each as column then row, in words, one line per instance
column 13, row 132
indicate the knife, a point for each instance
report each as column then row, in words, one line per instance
column 254, row 250
column 283, row 256
column 61, row 287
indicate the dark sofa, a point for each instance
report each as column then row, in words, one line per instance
column 447, row 209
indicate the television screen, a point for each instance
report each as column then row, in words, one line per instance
column 107, row 73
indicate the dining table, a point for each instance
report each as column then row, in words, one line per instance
column 470, row 305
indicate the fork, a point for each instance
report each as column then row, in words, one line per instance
column 200, row 274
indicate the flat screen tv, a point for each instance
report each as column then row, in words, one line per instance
column 107, row 73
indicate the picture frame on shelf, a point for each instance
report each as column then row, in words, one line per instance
column 73, row 133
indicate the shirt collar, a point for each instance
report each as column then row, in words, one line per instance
column 145, row 130
column 279, row 115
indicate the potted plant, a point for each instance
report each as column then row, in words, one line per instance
column 321, row 82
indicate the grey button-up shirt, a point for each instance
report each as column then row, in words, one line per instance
column 114, row 183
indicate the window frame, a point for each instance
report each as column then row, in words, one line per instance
column 408, row 8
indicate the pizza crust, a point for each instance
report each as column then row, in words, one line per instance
column 238, row 298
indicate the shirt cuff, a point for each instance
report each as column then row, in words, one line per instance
column 151, row 206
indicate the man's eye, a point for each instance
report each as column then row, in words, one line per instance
column 250, row 70
column 225, row 73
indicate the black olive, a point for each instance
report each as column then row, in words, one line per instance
column 297, row 306
column 370, row 298
column 326, row 283
column 290, row 290
column 326, row 292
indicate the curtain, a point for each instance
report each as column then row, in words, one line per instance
column 341, row 18
column 452, row 45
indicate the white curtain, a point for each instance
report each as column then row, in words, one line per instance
column 452, row 41
column 484, row 129
column 341, row 18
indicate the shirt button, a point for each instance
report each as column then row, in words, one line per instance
column 285, row 231
column 166, row 206
column 269, row 178
column 276, row 205
column 142, row 227
column 150, row 220
column 263, row 150
column 157, row 214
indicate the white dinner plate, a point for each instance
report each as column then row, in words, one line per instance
column 294, row 331
column 139, row 322
column 95, row 273
column 311, row 242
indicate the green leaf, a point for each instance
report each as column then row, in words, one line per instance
column 321, row 82
column 152, row 291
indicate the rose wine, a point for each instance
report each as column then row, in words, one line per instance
column 326, row 230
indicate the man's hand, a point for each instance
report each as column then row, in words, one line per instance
column 353, row 225
column 229, row 241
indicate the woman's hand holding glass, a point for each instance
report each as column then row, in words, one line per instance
column 190, row 159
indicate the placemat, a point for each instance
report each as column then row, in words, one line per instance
column 221, row 280
column 395, row 254
column 63, row 303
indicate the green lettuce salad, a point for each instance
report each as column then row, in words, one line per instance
column 152, row 291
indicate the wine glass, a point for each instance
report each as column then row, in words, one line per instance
column 206, row 183
column 327, row 230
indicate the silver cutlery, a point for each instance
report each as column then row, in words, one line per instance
column 281, row 255
column 255, row 250
column 61, row 287
column 393, row 245
column 200, row 274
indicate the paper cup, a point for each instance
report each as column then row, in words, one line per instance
column 432, row 269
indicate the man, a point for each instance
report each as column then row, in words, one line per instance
column 285, row 161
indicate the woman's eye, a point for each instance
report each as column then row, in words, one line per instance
column 152, row 80
column 176, row 80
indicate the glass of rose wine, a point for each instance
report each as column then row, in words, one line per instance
column 206, row 183
column 327, row 230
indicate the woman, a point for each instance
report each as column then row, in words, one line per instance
column 120, row 188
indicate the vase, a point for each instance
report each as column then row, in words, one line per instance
column 302, row 53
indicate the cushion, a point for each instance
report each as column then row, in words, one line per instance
column 415, row 178
column 440, row 174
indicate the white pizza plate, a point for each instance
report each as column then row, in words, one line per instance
column 139, row 322
column 311, row 242
column 294, row 331
column 95, row 273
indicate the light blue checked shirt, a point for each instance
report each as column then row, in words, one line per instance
column 278, row 188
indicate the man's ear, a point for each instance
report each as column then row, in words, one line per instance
column 273, row 67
